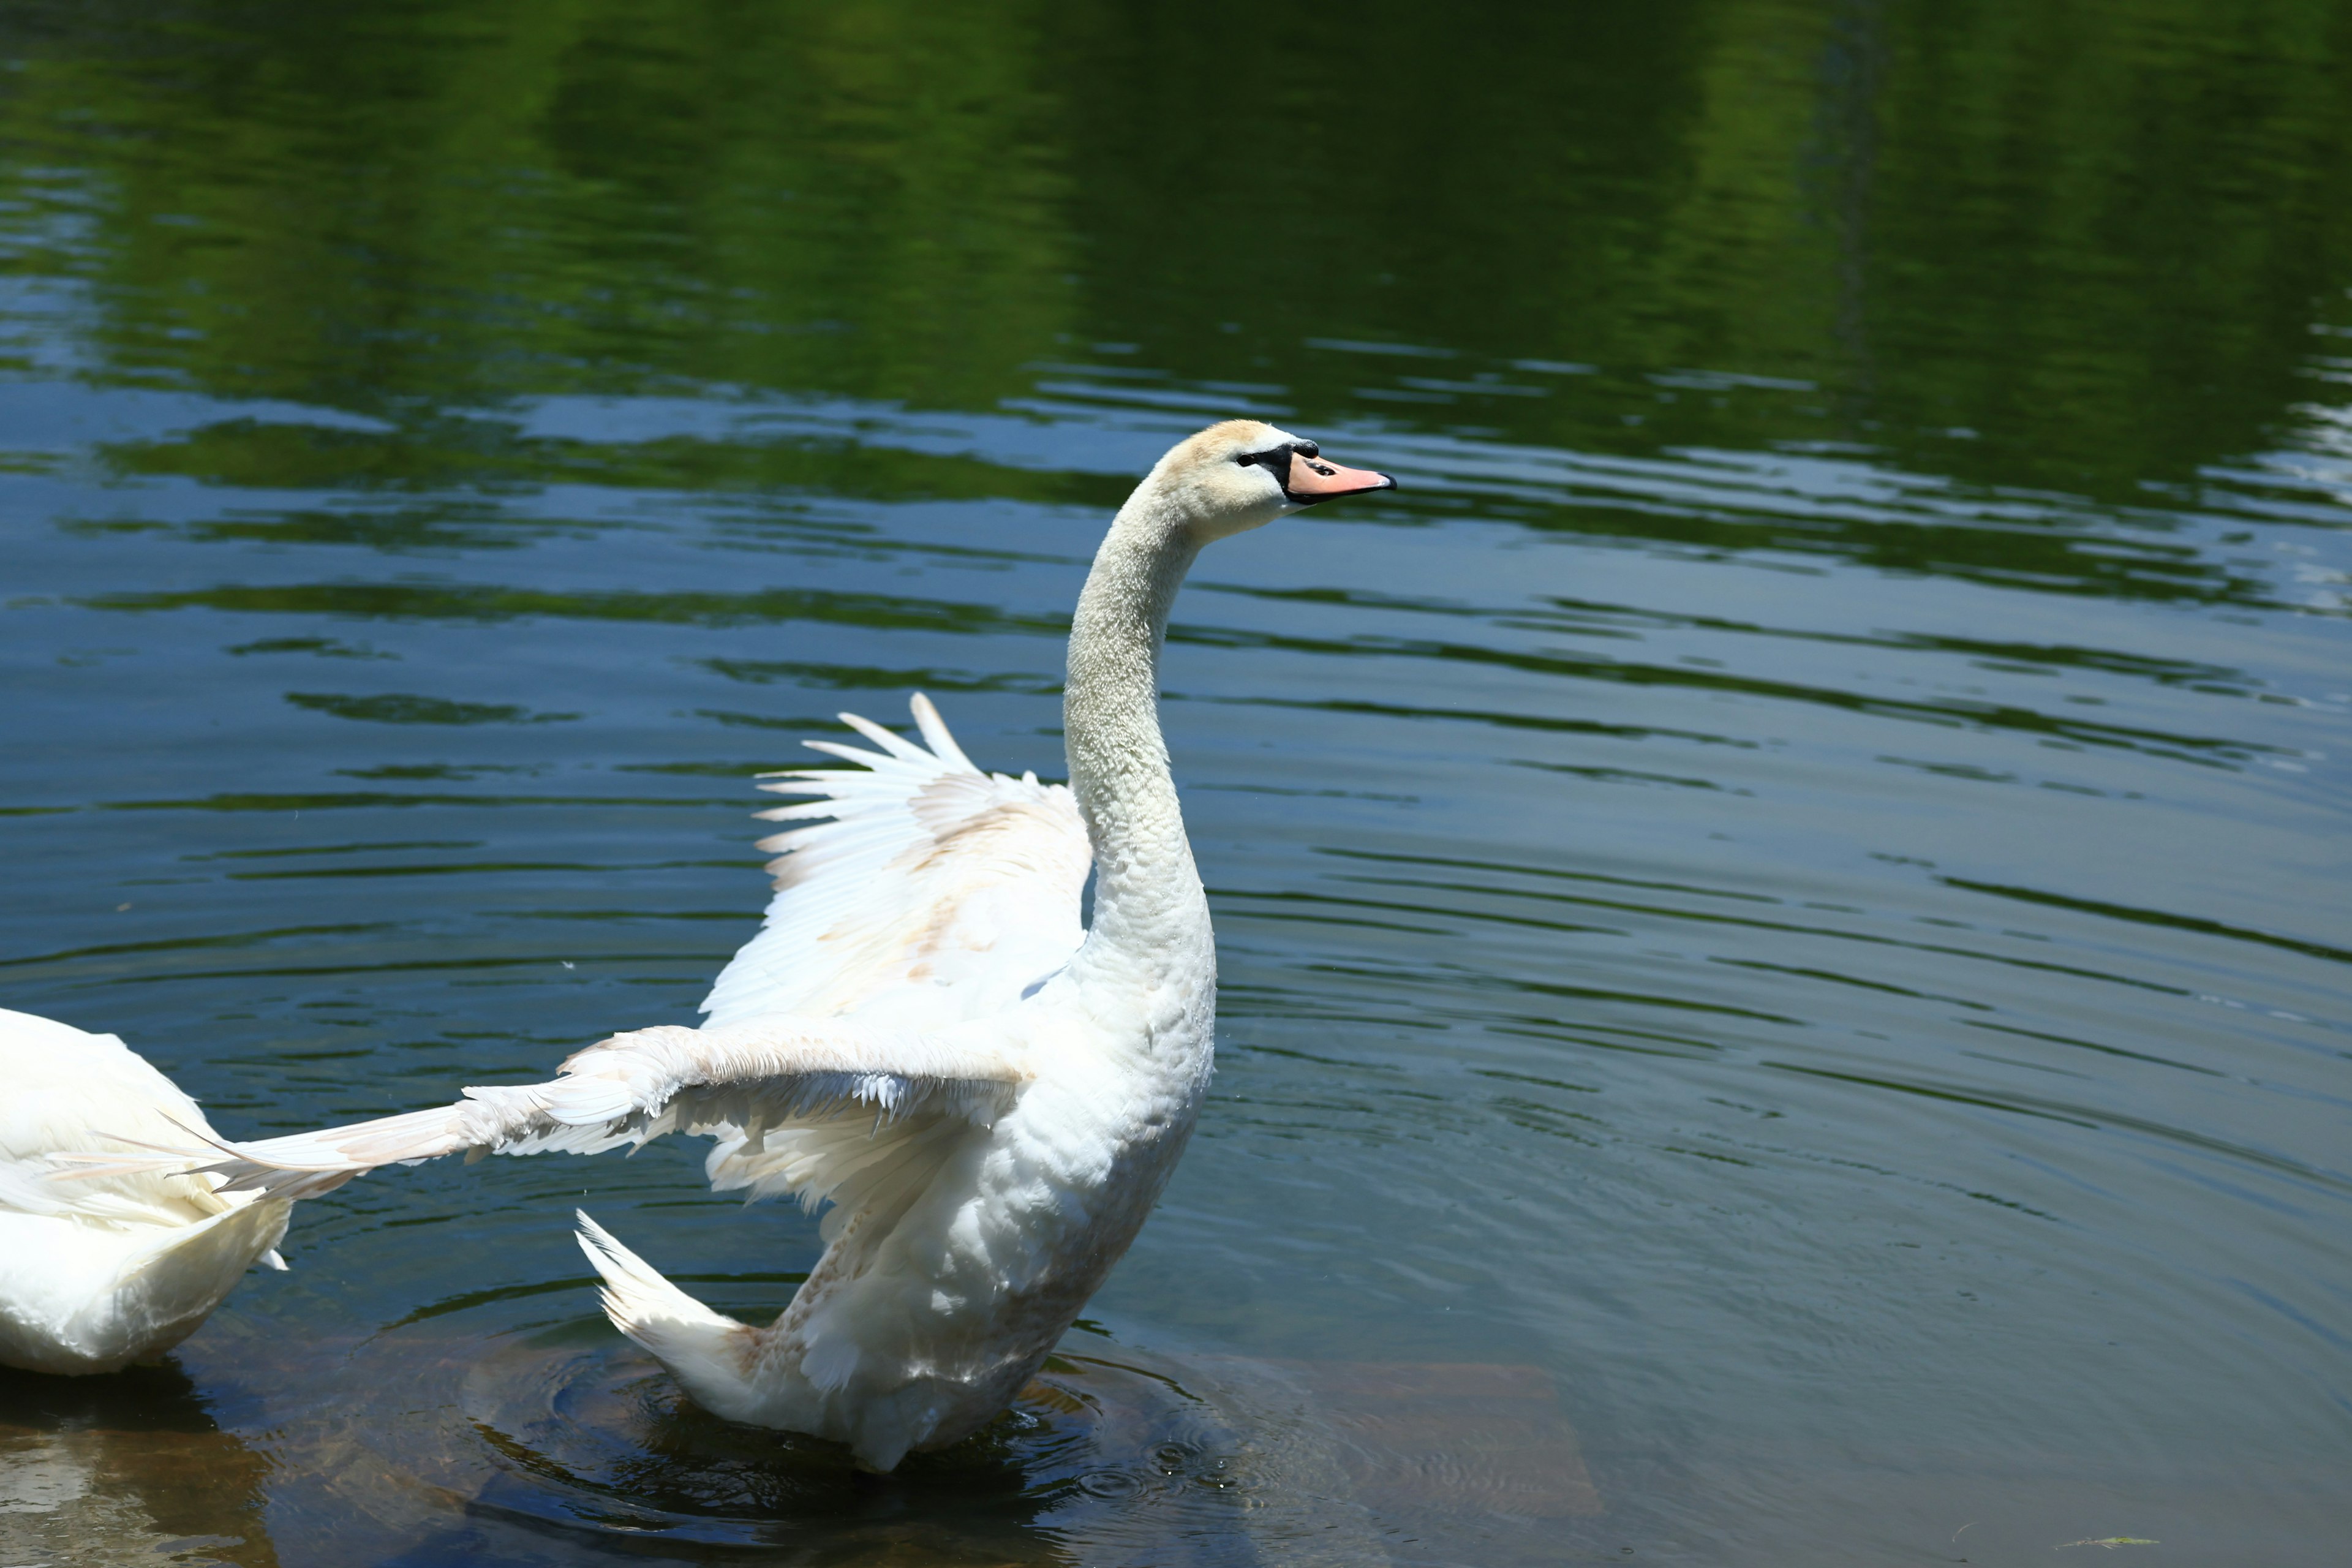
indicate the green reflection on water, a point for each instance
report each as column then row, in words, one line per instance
column 2099, row 238
column 427, row 203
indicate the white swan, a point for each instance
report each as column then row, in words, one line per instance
column 101, row 1271
column 989, row 1096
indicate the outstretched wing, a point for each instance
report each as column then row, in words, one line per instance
column 895, row 1088
column 936, row 893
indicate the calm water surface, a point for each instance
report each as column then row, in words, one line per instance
column 1787, row 996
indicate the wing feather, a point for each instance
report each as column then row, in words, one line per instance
column 849, row 1047
column 829, row 1073
column 921, row 891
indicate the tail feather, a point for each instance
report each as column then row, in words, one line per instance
column 177, row 1287
column 708, row 1352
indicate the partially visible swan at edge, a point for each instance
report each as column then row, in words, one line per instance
column 104, row 1270
column 989, row 1096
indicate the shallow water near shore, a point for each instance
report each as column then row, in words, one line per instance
column 1786, row 994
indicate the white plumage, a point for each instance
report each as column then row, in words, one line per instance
column 988, row 1097
column 98, row 1271
column 935, row 893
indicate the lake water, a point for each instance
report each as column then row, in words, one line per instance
column 1787, row 991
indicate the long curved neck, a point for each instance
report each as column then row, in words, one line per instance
column 1148, row 906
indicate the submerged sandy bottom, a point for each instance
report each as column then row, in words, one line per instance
column 527, row 1445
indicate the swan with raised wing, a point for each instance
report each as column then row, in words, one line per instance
column 989, row 1095
column 114, row 1268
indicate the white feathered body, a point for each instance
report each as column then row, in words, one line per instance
column 921, row 1322
column 97, row 1272
column 959, row 1247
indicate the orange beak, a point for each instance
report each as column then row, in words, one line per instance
column 1313, row 480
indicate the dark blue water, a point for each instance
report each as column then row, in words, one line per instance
column 1786, row 990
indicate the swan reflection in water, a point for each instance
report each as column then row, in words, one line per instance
column 128, row 1468
column 525, row 1442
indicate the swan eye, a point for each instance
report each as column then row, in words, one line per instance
column 1273, row 461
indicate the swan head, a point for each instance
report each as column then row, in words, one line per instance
column 1243, row 473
